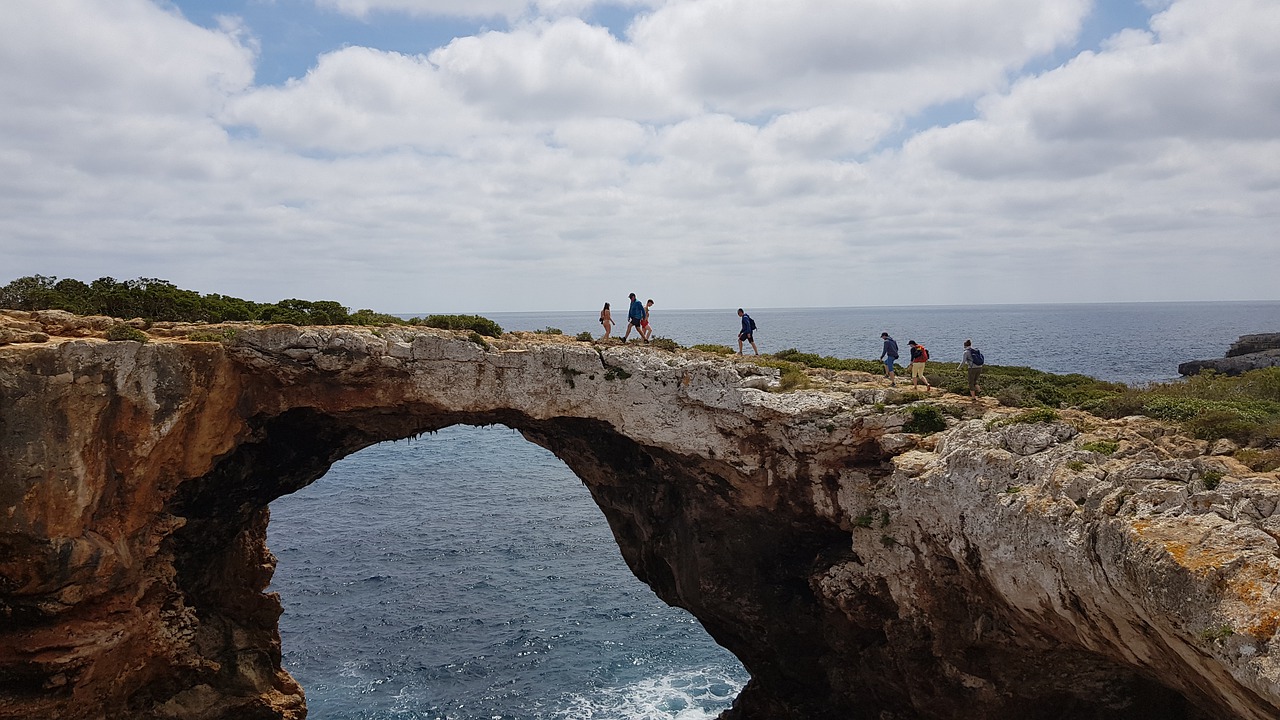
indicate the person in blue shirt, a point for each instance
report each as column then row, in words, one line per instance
column 747, row 333
column 889, row 355
column 635, row 318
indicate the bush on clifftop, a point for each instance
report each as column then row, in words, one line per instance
column 160, row 300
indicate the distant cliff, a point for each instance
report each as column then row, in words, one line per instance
column 1250, row 352
column 1078, row 568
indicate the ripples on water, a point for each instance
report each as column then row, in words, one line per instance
column 468, row 575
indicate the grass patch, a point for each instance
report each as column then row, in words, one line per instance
column 1102, row 447
column 476, row 338
column 1076, row 465
column 223, row 335
column 1209, row 406
column 548, row 330
column 120, row 331
column 925, row 420
column 664, row 344
column 714, row 349
column 793, row 378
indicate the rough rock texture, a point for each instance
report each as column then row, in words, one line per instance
column 1250, row 352
column 987, row 571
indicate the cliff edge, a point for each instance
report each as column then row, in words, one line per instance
column 1081, row 568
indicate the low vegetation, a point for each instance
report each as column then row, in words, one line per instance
column 121, row 331
column 1209, row 406
column 158, row 300
column 925, row 419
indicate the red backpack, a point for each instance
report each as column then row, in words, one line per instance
column 924, row 354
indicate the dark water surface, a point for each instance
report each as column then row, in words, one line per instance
column 468, row 575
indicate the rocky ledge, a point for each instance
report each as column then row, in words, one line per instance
column 995, row 569
column 1250, row 352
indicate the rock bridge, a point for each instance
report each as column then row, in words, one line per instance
column 857, row 570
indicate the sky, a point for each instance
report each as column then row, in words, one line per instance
column 505, row 155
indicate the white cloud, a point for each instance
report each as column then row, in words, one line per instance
column 360, row 100
column 1209, row 73
column 509, row 9
column 115, row 57
column 750, row 57
column 719, row 146
column 564, row 68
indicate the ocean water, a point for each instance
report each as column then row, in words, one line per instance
column 467, row 574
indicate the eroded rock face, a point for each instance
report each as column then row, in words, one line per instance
column 858, row 571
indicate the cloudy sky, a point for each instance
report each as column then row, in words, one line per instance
column 473, row 155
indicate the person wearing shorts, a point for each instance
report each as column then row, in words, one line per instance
column 635, row 316
column 747, row 334
column 919, row 356
column 645, row 331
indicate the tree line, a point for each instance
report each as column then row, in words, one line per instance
column 159, row 300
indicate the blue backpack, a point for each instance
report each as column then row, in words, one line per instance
column 975, row 356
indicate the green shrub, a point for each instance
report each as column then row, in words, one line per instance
column 793, row 378
column 120, row 331
column 475, row 323
column 715, row 349
column 793, row 355
column 1220, row 423
column 476, row 338
column 1212, row 478
column 223, row 335
column 1076, row 465
column 925, row 420
column 548, row 330
column 1102, row 447
column 664, row 344
column 1015, row 395
column 585, row 336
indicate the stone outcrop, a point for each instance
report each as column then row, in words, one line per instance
column 990, row 570
column 1250, row 352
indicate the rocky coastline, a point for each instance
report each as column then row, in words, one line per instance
column 997, row 568
column 1250, row 352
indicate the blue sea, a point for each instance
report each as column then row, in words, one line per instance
column 467, row 575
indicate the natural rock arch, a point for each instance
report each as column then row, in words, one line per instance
column 854, row 569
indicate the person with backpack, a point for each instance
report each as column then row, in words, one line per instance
column 919, row 356
column 974, row 361
column 889, row 355
column 747, row 333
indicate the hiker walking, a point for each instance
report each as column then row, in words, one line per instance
column 645, row 331
column 919, row 356
column 889, row 355
column 747, row 334
column 635, row 316
column 974, row 361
